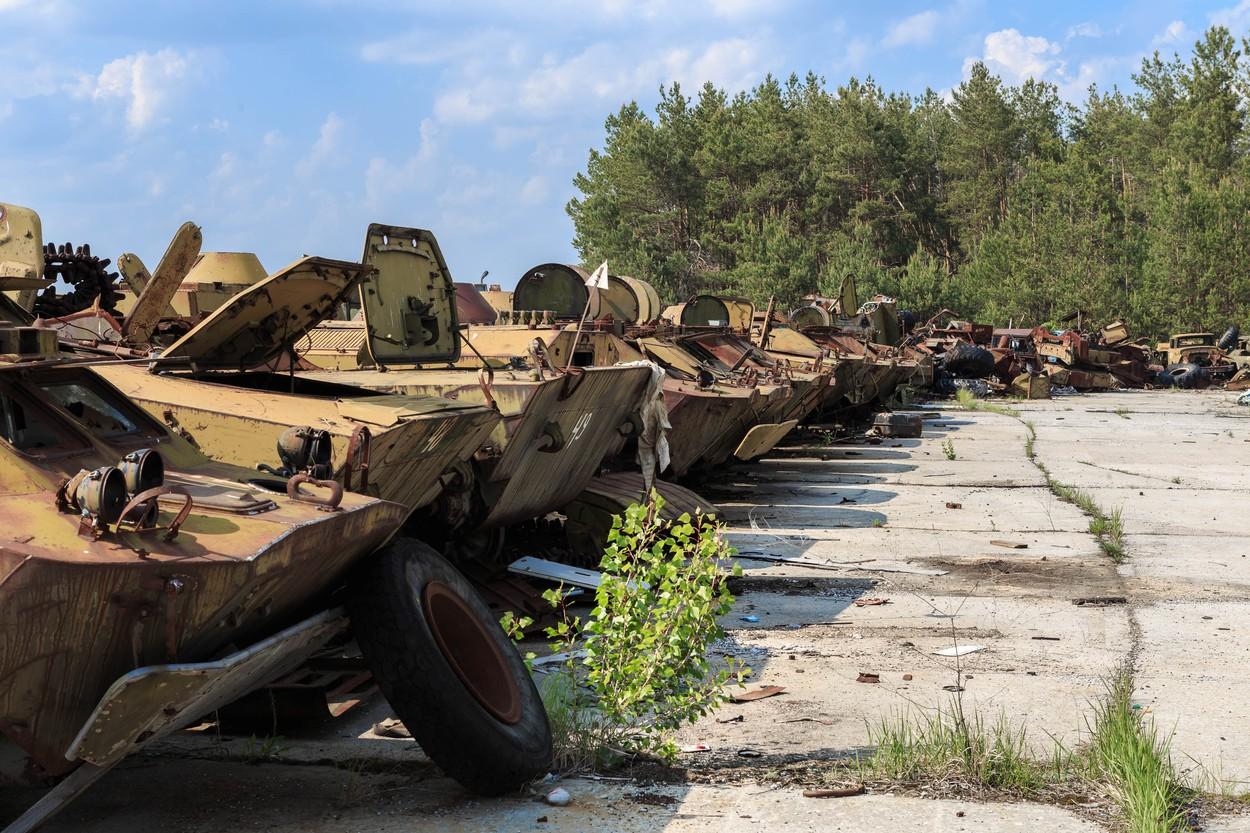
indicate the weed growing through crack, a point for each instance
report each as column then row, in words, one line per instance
column 948, row 448
column 1108, row 528
column 1122, row 413
column 258, row 750
column 954, row 747
column 970, row 403
column 1126, row 752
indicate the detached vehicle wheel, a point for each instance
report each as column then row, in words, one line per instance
column 968, row 361
column 448, row 669
column 1187, row 375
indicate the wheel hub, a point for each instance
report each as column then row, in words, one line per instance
column 472, row 652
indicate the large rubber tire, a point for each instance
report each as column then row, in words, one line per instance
column 448, row 669
column 1187, row 375
column 967, row 361
column 1228, row 341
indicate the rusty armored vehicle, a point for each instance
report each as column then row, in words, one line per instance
column 472, row 452
column 715, row 411
column 223, row 327
column 144, row 585
column 401, row 335
column 866, row 341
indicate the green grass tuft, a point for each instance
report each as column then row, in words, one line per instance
column 917, row 747
column 1126, row 753
column 970, row 403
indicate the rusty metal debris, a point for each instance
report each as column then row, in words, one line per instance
column 757, row 694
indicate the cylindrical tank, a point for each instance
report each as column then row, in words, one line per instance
column 810, row 316
column 699, row 311
column 619, row 300
column 558, row 287
column 649, row 306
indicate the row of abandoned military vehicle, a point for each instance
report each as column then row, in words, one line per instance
column 214, row 476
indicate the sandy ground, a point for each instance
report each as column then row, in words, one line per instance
column 940, row 541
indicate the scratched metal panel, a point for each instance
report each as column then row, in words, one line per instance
column 69, row 629
column 588, row 408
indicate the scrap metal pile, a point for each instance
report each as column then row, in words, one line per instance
column 216, row 474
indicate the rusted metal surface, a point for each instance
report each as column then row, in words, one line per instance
column 554, row 431
column 148, row 703
column 706, row 417
column 21, row 241
column 473, row 654
column 414, row 439
column 237, row 416
column 153, row 299
column 259, row 323
column 77, row 613
column 761, row 439
column 736, row 352
column 214, row 279
column 409, row 302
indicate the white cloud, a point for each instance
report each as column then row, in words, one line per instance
column 916, row 29
column 857, row 51
column 145, row 81
column 1235, row 18
column 534, row 190
column 467, row 106
column 1174, row 32
column 735, row 9
column 427, row 47
column 602, row 74
column 385, row 180
column 227, row 166
column 1015, row 57
column 1093, row 71
column 1085, row 30
column 329, row 139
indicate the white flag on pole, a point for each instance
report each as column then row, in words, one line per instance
column 599, row 278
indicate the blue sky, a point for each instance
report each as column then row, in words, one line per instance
column 285, row 127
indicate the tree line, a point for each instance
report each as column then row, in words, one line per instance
column 1001, row 202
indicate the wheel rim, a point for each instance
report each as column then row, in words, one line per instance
column 472, row 652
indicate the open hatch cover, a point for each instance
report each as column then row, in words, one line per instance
column 410, row 304
column 257, row 325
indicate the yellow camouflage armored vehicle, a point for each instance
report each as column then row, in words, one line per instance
column 558, row 422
